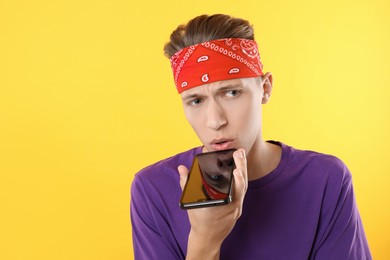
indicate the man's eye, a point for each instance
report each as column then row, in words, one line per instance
column 232, row 93
column 194, row 102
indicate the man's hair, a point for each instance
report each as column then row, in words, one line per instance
column 206, row 28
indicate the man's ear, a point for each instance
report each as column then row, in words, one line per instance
column 267, row 87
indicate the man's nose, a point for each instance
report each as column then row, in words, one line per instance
column 216, row 117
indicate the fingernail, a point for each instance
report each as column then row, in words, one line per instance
column 240, row 153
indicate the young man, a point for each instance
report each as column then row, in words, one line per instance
column 288, row 203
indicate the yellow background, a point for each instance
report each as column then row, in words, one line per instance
column 87, row 99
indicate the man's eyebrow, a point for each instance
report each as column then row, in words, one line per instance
column 229, row 86
column 191, row 96
column 220, row 89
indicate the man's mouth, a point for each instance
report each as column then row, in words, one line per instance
column 222, row 144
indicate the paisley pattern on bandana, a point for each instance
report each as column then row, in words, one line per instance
column 215, row 60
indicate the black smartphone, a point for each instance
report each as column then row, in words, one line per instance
column 210, row 180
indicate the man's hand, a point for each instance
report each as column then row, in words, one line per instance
column 211, row 225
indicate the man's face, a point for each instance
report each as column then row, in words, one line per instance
column 225, row 114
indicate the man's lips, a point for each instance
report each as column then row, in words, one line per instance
column 222, row 144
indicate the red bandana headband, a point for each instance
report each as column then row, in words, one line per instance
column 215, row 60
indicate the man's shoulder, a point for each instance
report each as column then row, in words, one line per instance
column 168, row 165
column 320, row 163
column 161, row 177
column 318, row 157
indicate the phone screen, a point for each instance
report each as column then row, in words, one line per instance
column 210, row 180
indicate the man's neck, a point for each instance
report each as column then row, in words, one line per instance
column 263, row 158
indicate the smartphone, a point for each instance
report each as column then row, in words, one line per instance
column 210, row 180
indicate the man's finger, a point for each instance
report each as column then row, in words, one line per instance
column 183, row 171
column 240, row 174
column 240, row 161
column 239, row 185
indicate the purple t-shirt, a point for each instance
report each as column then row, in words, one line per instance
column 304, row 209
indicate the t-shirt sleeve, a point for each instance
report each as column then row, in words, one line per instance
column 341, row 231
column 148, row 242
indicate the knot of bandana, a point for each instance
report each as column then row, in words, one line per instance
column 215, row 60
